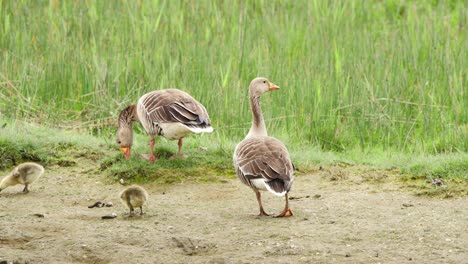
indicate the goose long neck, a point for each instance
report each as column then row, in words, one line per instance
column 127, row 116
column 258, row 127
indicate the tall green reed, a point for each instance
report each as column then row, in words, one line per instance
column 353, row 74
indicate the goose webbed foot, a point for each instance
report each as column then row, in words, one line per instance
column 149, row 157
column 262, row 213
column 285, row 213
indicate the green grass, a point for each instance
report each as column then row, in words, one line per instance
column 20, row 142
column 210, row 160
column 376, row 83
column 387, row 75
column 207, row 162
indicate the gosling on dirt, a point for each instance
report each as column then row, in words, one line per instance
column 25, row 173
column 133, row 197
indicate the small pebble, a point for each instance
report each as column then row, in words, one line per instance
column 348, row 255
column 109, row 216
column 39, row 215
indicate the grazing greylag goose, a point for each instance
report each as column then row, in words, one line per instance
column 134, row 196
column 25, row 173
column 170, row 113
column 263, row 162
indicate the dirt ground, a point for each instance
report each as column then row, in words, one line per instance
column 333, row 222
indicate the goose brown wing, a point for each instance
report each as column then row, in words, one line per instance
column 267, row 158
column 173, row 105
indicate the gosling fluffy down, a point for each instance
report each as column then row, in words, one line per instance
column 133, row 197
column 25, row 173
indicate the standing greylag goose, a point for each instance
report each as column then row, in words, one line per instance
column 263, row 162
column 25, row 173
column 170, row 113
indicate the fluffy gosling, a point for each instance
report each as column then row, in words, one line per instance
column 25, row 173
column 134, row 196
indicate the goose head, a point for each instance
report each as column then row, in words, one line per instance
column 261, row 85
column 125, row 131
column 125, row 140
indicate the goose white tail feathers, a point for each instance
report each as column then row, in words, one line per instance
column 206, row 129
column 278, row 187
column 275, row 187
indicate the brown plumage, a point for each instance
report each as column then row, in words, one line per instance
column 172, row 106
column 170, row 113
column 265, row 158
column 263, row 162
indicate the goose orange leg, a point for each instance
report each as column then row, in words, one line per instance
column 151, row 157
column 286, row 211
column 259, row 200
column 179, row 152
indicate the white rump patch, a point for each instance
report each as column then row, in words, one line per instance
column 201, row 130
column 261, row 185
column 175, row 130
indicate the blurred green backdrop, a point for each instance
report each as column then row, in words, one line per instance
column 387, row 75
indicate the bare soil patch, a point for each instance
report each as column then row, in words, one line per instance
column 339, row 217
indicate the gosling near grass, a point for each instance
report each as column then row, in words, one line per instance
column 25, row 173
column 133, row 197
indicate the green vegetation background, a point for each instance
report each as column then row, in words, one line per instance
column 369, row 82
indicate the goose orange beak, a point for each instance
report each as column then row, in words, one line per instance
column 273, row 87
column 126, row 152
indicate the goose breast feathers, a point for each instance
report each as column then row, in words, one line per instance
column 267, row 159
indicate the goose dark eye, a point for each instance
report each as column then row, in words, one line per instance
column 118, row 142
column 264, row 81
